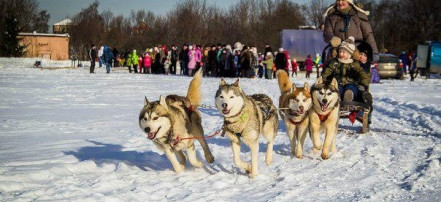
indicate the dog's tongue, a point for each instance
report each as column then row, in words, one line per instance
column 226, row 111
column 323, row 107
column 151, row 135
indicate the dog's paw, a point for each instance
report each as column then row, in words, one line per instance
column 210, row 158
column 318, row 147
column 268, row 160
column 198, row 164
column 179, row 169
column 325, row 156
column 299, row 155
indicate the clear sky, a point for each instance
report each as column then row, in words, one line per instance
column 59, row 9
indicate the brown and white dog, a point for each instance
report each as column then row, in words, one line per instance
column 294, row 104
column 176, row 116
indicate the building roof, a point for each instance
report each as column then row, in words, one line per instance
column 43, row 34
column 64, row 22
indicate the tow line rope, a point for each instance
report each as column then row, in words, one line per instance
column 178, row 139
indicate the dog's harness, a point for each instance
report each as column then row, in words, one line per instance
column 299, row 122
column 242, row 118
column 323, row 118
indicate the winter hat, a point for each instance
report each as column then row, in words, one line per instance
column 348, row 45
column 309, row 56
column 351, row 3
column 365, row 48
column 281, row 50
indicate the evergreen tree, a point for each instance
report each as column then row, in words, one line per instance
column 11, row 46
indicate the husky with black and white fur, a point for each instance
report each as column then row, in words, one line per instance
column 245, row 119
column 324, row 116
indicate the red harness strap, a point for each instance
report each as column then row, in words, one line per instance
column 191, row 108
column 297, row 123
column 323, row 117
column 178, row 139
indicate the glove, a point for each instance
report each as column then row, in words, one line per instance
column 361, row 88
column 375, row 58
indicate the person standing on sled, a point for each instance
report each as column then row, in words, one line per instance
column 353, row 81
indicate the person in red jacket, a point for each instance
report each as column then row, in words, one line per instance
column 147, row 63
column 308, row 66
column 294, row 67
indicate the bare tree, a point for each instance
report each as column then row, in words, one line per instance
column 315, row 10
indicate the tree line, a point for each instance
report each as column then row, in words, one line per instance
column 398, row 25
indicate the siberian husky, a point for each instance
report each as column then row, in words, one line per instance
column 245, row 118
column 294, row 105
column 324, row 116
column 174, row 117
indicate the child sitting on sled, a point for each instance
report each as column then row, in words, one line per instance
column 352, row 79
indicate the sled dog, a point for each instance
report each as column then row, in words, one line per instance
column 324, row 116
column 245, row 118
column 174, row 117
column 294, row 105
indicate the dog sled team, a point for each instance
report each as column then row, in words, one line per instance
column 174, row 122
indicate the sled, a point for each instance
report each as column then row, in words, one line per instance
column 355, row 111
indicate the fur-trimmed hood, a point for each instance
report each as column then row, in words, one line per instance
column 333, row 9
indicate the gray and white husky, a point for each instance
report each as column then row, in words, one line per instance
column 175, row 117
column 324, row 115
column 245, row 118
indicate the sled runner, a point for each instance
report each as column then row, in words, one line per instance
column 355, row 111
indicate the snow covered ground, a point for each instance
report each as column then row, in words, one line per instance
column 68, row 135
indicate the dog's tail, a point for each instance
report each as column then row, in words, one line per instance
column 194, row 90
column 284, row 82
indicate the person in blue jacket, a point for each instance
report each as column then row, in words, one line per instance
column 404, row 61
column 108, row 56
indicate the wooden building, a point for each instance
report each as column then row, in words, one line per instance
column 49, row 46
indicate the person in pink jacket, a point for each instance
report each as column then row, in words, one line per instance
column 308, row 66
column 192, row 60
column 147, row 63
column 198, row 55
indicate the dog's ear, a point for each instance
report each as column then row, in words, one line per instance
column 146, row 101
column 222, row 82
column 334, row 83
column 236, row 83
column 319, row 81
column 307, row 88
column 162, row 102
column 293, row 87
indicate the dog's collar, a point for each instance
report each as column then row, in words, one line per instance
column 297, row 123
column 324, row 117
column 242, row 114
